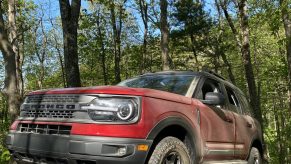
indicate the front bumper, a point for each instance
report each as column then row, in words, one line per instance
column 75, row 149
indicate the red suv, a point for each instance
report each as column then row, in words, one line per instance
column 157, row 118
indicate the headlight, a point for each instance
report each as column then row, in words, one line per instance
column 113, row 109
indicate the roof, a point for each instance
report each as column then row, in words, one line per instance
column 172, row 73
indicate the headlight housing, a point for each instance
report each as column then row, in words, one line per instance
column 113, row 109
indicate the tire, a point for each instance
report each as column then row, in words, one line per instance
column 170, row 150
column 255, row 156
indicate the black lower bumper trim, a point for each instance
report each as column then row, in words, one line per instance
column 38, row 148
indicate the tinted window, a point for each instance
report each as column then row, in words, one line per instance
column 178, row 84
column 208, row 86
column 233, row 100
column 246, row 106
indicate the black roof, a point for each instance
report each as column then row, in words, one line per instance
column 201, row 73
column 172, row 73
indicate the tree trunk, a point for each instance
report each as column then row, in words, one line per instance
column 244, row 46
column 62, row 67
column 278, row 136
column 103, row 54
column 118, row 41
column 42, row 55
column 230, row 23
column 59, row 53
column 70, row 16
column 116, row 28
column 219, row 49
column 61, row 62
column 115, row 42
column 11, row 90
column 229, row 67
column 193, row 43
column 143, row 6
column 144, row 52
column 60, row 57
column 246, row 55
column 164, row 27
column 19, row 59
column 287, row 26
column 19, row 64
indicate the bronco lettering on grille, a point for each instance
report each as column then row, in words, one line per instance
column 49, row 106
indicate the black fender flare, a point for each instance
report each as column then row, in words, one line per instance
column 193, row 133
column 257, row 137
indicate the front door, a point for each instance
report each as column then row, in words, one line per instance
column 244, row 123
column 217, row 124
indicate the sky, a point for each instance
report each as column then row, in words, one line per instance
column 51, row 8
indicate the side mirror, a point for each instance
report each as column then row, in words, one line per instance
column 212, row 98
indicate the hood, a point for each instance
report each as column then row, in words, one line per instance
column 117, row 90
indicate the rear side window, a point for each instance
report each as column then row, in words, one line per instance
column 234, row 104
column 246, row 108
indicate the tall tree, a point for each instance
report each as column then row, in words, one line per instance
column 9, row 48
column 57, row 46
column 220, row 47
column 164, row 27
column 116, row 23
column 19, row 56
column 286, row 17
column 193, row 22
column 143, row 8
column 244, row 46
column 246, row 55
column 41, row 52
column 70, row 13
column 102, row 45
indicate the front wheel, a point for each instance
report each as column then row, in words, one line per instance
column 255, row 156
column 170, row 150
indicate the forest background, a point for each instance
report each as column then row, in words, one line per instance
column 71, row 43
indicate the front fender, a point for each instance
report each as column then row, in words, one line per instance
column 192, row 132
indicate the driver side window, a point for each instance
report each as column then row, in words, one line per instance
column 209, row 85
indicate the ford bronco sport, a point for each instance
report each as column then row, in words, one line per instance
column 158, row 118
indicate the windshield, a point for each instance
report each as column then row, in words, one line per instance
column 178, row 84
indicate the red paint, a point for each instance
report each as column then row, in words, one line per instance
column 157, row 110
column 14, row 125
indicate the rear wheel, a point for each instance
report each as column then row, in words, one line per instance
column 170, row 150
column 255, row 156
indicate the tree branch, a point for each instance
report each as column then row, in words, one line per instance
column 223, row 5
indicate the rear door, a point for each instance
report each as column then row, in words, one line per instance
column 243, row 123
column 216, row 123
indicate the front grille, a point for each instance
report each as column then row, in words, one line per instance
column 44, row 129
column 49, row 113
column 60, row 106
column 52, row 99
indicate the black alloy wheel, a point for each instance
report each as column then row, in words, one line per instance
column 170, row 150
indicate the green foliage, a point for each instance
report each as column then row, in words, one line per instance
column 4, row 125
column 5, row 156
column 191, row 18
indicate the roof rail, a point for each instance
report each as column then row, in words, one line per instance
column 213, row 73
